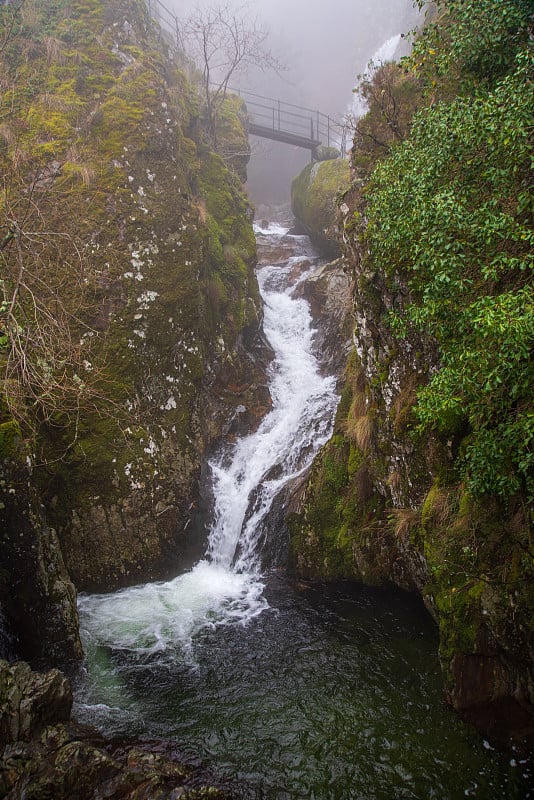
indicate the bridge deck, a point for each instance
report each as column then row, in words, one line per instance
column 283, row 136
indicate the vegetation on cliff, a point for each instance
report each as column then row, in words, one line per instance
column 429, row 479
column 451, row 210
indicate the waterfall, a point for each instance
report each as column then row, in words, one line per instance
column 226, row 585
column 386, row 52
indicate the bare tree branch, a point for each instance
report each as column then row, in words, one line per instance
column 10, row 18
column 223, row 41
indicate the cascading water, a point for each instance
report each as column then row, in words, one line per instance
column 300, row 422
column 226, row 585
column 386, row 52
column 324, row 694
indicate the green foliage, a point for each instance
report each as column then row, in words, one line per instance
column 472, row 41
column 450, row 210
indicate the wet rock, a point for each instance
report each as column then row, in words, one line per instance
column 29, row 701
column 483, row 696
column 71, row 761
column 313, row 201
column 46, row 756
column 37, row 595
column 329, row 292
column 324, row 153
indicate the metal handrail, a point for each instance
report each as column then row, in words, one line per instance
column 290, row 114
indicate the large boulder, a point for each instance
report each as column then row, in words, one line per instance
column 313, row 201
column 45, row 755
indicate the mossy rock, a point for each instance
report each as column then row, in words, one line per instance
column 313, row 200
column 324, row 153
column 10, row 439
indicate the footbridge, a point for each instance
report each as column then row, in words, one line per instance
column 271, row 118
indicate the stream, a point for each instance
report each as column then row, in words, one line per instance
column 296, row 691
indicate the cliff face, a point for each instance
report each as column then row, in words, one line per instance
column 37, row 596
column 382, row 506
column 426, row 482
column 130, row 302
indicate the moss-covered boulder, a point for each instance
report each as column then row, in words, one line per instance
column 29, row 701
column 325, row 153
column 313, row 201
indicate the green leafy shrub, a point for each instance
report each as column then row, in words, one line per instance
column 449, row 214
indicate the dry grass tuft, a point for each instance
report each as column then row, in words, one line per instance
column 443, row 508
column 395, row 480
column 55, row 102
column 200, row 206
column 358, row 408
column 405, row 520
column 404, row 402
column 7, row 134
column 361, row 430
column 54, row 50
column 84, row 171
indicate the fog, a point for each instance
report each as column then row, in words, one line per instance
column 324, row 46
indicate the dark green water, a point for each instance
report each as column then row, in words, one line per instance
column 331, row 694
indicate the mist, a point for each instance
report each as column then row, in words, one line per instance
column 324, row 47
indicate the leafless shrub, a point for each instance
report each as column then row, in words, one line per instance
column 223, row 40
column 47, row 298
column 54, row 50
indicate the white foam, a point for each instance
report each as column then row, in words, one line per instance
column 156, row 616
column 272, row 229
column 303, row 404
column 386, row 52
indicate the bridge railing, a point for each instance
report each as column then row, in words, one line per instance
column 278, row 115
column 167, row 19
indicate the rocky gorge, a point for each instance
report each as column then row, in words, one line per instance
column 133, row 371
column 102, row 461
